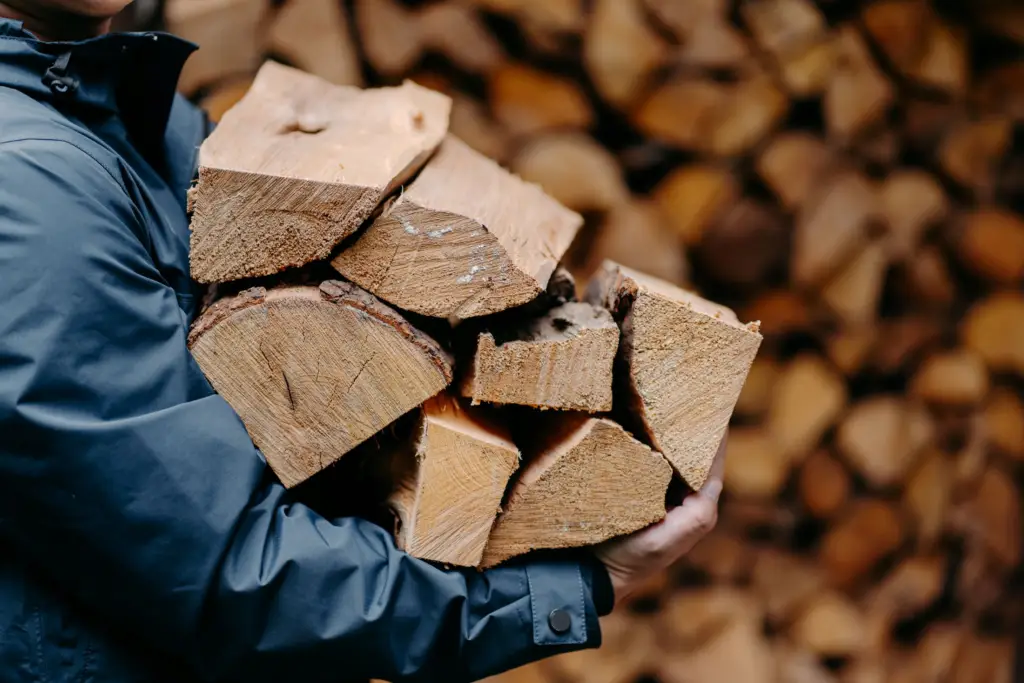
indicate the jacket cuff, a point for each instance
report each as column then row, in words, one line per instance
column 562, row 604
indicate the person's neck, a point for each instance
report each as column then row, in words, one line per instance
column 51, row 24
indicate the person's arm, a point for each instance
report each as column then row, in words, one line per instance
column 127, row 480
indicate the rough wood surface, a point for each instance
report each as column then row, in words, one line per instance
column 464, row 239
column 314, row 371
column 315, row 36
column 562, row 360
column 229, row 32
column 882, row 436
column 586, row 480
column 268, row 195
column 464, row 459
column 853, row 294
column 708, row 349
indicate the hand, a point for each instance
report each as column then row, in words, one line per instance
column 632, row 559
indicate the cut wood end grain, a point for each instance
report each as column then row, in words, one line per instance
column 268, row 195
column 562, row 360
column 678, row 349
column 953, row 378
column 297, row 363
column 466, row 238
column 587, row 480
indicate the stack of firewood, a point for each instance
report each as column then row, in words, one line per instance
column 848, row 173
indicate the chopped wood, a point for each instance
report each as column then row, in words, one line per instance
column 792, row 165
column 926, row 121
column 849, row 349
column 269, row 198
column 585, row 481
column 794, row 33
column 716, row 45
column 824, row 485
column 458, row 33
column 562, row 360
column 832, row 226
column 471, row 123
column 1004, row 422
column 853, row 294
column 882, row 437
column 971, row 153
column 690, row 618
column 758, row 391
column 229, row 32
column 464, row 459
column 952, row 378
column 740, row 652
column 721, row 555
column 529, row 101
column 707, row 347
column 754, row 466
column 966, row 437
column 389, row 35
column 683, row 19
column 314, row 35
column 692, row 196
column 871, row 531
column 830, row 626
column 903, row 340
column 927, row 280
column 466, row 238
column 746, row 245
column 993, row 515
column 620, row 51
column 785, row 583
column 994, row 329
column 781, row 312
column 809, row 397
column 225, row 96
column 747, row 114
column 635, row 234
column 912, row 587
column 1000, row 92
column 992, row 245
column 911, row 201
column 858, row 95
column 574, row 169
column 794, row 665
column 314, row 371
column 556, row 15
column 983, row 659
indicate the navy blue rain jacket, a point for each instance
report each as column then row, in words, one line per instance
column 142, row 537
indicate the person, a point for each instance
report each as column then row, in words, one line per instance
column 142, row 535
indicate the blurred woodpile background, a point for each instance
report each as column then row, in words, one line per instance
column 849, row 173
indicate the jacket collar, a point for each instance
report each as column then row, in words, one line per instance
column 133, row 75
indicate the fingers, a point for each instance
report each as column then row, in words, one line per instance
column 683, row 526
column 712, row 488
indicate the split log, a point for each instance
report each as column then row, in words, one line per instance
column 574, row 169
column 692, row 196
column 882, row 437
column 564, row 16
column 912, row 201
column 314, row 371
column 796, row 665
column 993, row 515
column 794, row 33
column 269, row 198
column 858, row 95
column 1000, row 92
column 464, row 459
column 585, row 481
column 682, row 19
column 620, row 51
column 808, row 399
column 785, row 583
column 994, row 329
column 912, row 587
column 471, row 123
column 830, row 626
column 562, row 361
column 854, row 293
column 314, row 35
column 635, row 234
column 705, row 345
column 870, row 532
column 466, row 238
column 824, row 485
column 228, row 31
column 983, row 659
column 793, row 164
column 926, row 121
column 528, row 101
column 758, row 391
column 721, row 555
column 458, row 33
column 992, row 245
column 690, row 618
column 953, row 378
column 926, row 280
column 754, row 466
column 972, row 152
column 714, row 44
column 746, row 245
column 389, row 36
column 850, row 349
column 1004, row 423
column 904, row 340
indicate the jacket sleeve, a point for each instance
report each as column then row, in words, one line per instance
column 126, row 479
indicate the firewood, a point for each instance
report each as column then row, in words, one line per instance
column 1000, row 92
column 458, row 33
column 690, row 618
column 389, row 35
column 832, row 226
column 984, row 660
column 853, row 294
column 870, row 531
column 314, row 36
column 225, row 96
column 824, row 485
column 808, row 399
column 794, row 33
column 620, row 51
column 927, row 281
column 926, row 122
column 1004, row 422
column 471, row 123
column 466, row 238
column 229, row 32
column 912, row 587
column 574, row 169
column 830, row 626
column 721, row 555
column 297, row 397
column 993, row 515
column 970, row 448
column 586, row 480
column 953, row 378
column 911, row 201
column 763, row 519
column 850, row 348
column 785, row 584
column 683, row 19
column 529, row 101
column 635, row 234
column 994, row 329
column 796, row 665
column 748, row 113
column 464, row 459
column 714, row 44
column 255, row 213
column 781, row 312
column 745, row 245
column 882, row 437
column 562, row 360
column 709, row 350
column 555, row 15
column 858, row 95
column 758, row 391
column 971, row 153
column 992, row 245
column 692, row 196
column 754, row 466
column 792, row 165
column 903, row 340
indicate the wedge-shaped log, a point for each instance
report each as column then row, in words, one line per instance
column 685, row 361
column 464, row 458
column 314, row 371
column 563, row 360
column 587, row 480
column 466, row 238
column 299, row 164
